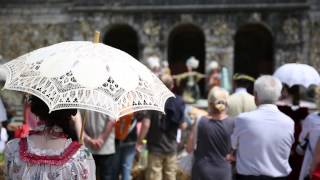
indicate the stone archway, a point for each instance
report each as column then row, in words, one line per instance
column 184, row 41
column 253, row 51
column 123, row 37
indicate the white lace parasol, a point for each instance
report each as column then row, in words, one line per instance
column 87, row 75
column 298, row 74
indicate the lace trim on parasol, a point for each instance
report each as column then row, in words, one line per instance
column 56, row 160
column 65, row 92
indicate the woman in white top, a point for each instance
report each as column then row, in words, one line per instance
column 51, row 151
column 310, row 132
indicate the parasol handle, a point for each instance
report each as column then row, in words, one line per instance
column 82, row 127
column 96, row 37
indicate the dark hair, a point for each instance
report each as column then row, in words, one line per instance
column 60, row 118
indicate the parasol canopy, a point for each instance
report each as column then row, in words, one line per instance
column 87, row 75
column 297, row 74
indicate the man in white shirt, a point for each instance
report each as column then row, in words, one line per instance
column 99, row 137
column 263, row 138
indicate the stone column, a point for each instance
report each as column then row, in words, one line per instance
column 219, row 44
column 288, row 43
column 150, row 40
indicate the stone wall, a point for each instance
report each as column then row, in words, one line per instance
column 178, row 2
column 24, row 28
column 289, row 32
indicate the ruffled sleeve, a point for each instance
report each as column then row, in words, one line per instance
column 81, row 167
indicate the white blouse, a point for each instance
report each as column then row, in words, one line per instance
column 25, row 161
column 311, row 131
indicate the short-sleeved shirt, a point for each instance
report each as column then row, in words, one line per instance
column 214, row 139
column 162, row 134
column 213, row 145
column 95, row 125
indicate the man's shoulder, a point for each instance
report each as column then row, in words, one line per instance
column 285, row 118
column 176, row 99
column 96, row 116
column 175, row 103
column 247, row 115
column 257, row 114
column 313, row 116
column 234, row 96
column 250, row 116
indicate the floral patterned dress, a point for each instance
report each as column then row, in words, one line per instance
column 23, row 160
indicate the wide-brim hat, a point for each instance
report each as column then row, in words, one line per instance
column 238, row 77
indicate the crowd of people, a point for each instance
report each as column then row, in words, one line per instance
column 248, row 135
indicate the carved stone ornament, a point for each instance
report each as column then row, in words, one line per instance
column 291, row 30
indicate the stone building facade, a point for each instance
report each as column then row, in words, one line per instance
column 249, row 36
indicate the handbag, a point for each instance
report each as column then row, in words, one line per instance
column 124, row 126
column 185, row 163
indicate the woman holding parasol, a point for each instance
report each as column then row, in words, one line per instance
column 62, row 78
column 51, row 151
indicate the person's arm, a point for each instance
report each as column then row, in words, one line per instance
column 143, row 132
column 235, row 139
column 192, row 138
column 305, row 130
column 236, row 133
column 100, row 140
column 107, row 130
column 199, row 76
column 180, row 77
column 95, row 143
column 231, row 157
column 183, row 125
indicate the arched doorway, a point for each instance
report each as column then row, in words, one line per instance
column 185, row 41
column 124, row 38
column 253, row 52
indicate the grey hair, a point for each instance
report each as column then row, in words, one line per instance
column 267, row 89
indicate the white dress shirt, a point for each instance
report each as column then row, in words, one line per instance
column 241, row 90
column 263, row 139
